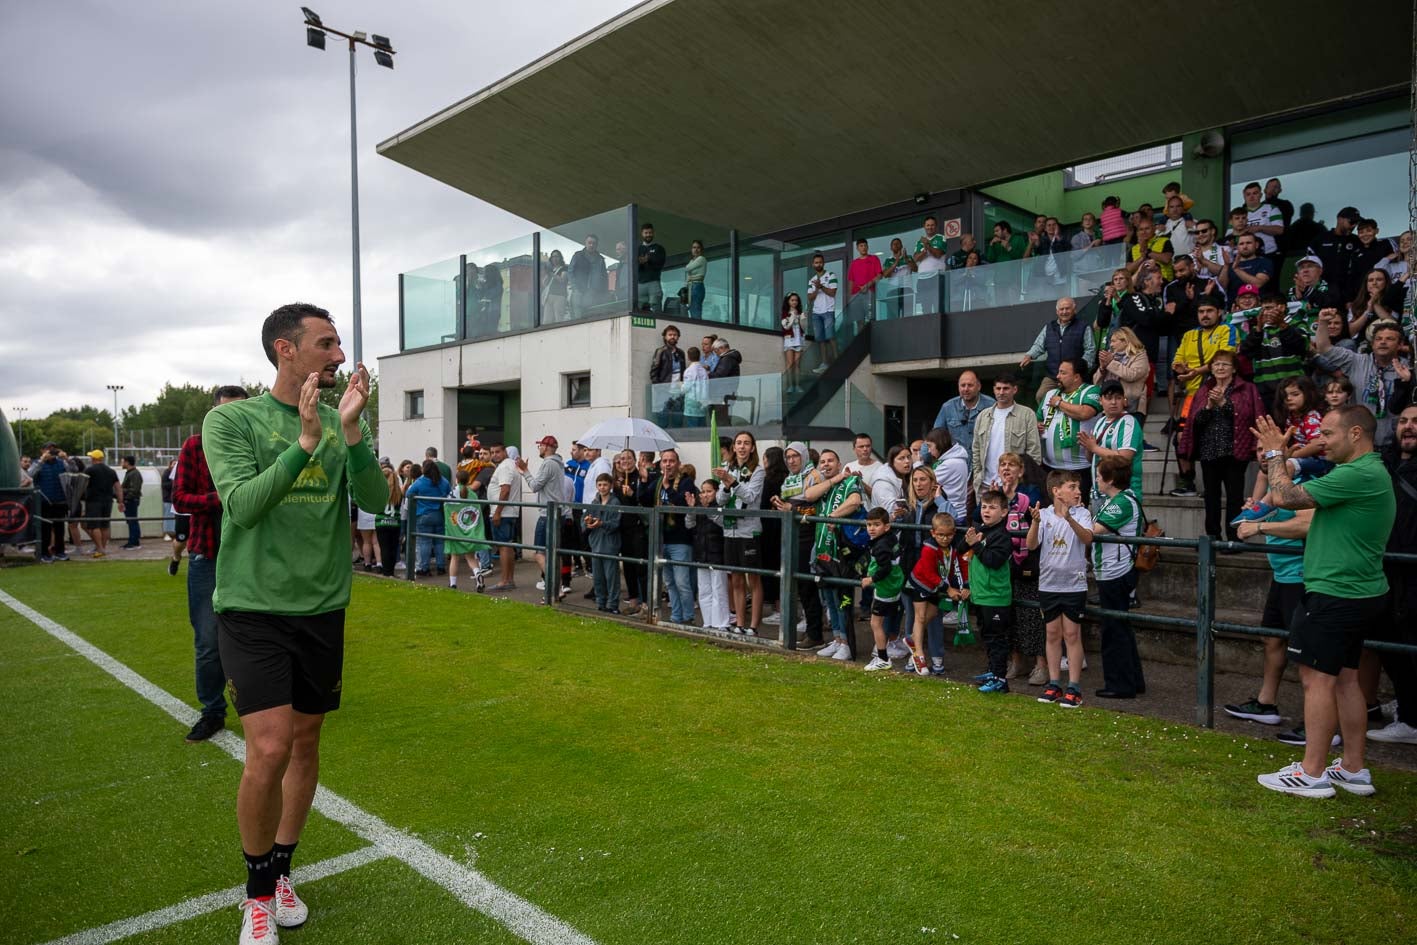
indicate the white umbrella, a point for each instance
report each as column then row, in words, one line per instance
column 627, row 433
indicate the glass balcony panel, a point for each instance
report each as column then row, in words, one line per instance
column 746, row 400
column 501, row 291
column 594, row 252
column 430, row 304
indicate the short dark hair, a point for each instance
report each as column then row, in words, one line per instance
column 646, row 226
column 1061, row 477
column 1005, row 226
column 826, row 451
column 993, row 497
column 130, row 460
column 229, row 392
column 861, row 436
column 1116, row 470
column 816, row 256
column 879, row 515
column 931, row 217
column 863, row 240
column 1356, row 415
column 1254, row 183
column 1079, row 365
column 1006, row 378
column 667, row 329
column 288, row 322
column 604, row 477
column 1174, row 185
column 1211, row 300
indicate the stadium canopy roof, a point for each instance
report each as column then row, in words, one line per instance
column 771, row 113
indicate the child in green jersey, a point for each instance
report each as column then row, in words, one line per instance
column 991, row 586
column 885, row 577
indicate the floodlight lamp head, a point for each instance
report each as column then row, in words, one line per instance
column 383, row 59
column 311, row 16
column 382, row 42
column 314, row 37
column 360, row 35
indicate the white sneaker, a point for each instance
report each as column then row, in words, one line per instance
column 1291, row 779
column 949, row 618
column 843, row 653
column 897, row 650
column 877, row 664
column 1354, row 782
column 1064, row 664
column 258, row 922
column 829, row 650
column 802, row 625
column 291, row 912
column 819, row 369
column 541, row 585
column 775, row 620
column 1399, row 733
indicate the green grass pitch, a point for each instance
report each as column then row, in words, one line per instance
column 654, row 789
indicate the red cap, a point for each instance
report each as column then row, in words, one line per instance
column 1247, row 289
column 547, row 440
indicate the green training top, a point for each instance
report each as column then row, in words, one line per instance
column 1343, row 555
column 285, row 544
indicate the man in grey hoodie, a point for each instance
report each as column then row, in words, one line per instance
column 549, row 483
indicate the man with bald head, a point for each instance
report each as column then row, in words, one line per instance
column 959, row 413
column 1062, row 339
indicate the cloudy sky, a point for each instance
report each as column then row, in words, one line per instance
column 171, row 171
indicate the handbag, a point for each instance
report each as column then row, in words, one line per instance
column 1147, row 556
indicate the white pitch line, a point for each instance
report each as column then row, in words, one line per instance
column 212, row 902
column 471, row 887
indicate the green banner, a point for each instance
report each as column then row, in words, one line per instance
column 465, row 526
column 641, row 321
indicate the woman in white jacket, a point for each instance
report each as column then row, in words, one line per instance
column 741, row 487
column 951, row 465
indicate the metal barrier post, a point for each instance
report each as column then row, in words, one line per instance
column 553, row 563
column 652, row 584
column 1205, row 634
column 788, row 583
column 410, row 555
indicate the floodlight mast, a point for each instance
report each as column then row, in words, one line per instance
column 384, row 53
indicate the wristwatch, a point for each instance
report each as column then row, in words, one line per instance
column 1272, row 454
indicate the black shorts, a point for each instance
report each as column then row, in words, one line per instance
column 181, row 527
column 885, row 608
column 274, row 660
column 1281, row 603
column 98, row 513
column 1327, row 633
column 741, row 553
column 916, row 594
column 1055, row 604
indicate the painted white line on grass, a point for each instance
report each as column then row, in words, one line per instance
column 212, row 902
column 526, row 920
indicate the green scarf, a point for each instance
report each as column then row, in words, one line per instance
column 826, row 542
column 1066, row 435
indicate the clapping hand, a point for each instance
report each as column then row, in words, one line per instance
column 1268, row 434
column 351, row 405
column 972, row 536
column 310, row 430
column 1088, row 441
column 692, row 499
column 1404, row 372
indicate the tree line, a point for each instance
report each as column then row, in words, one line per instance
column 77, row 429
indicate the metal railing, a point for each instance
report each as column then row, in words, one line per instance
column 788, row 572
